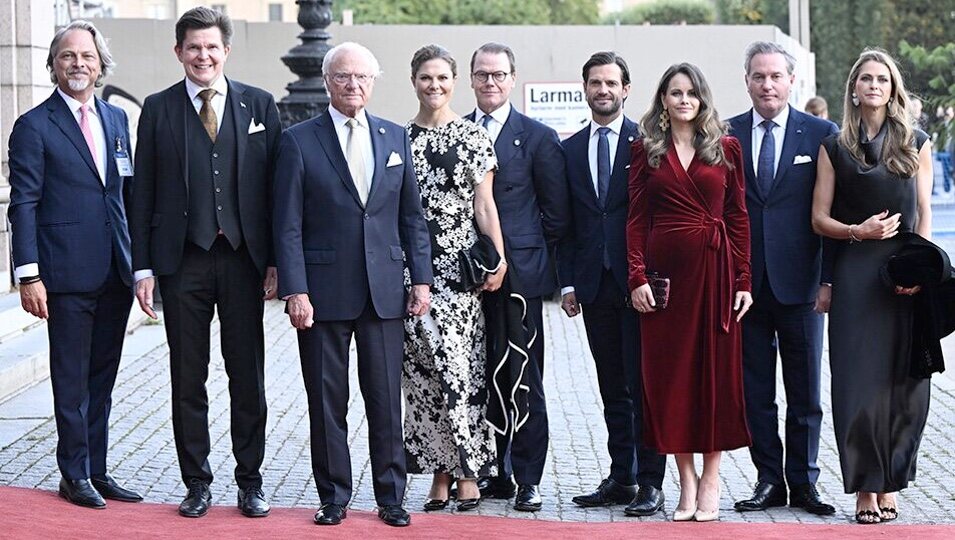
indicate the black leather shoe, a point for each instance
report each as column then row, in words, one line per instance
column 109, row 489
column 649, row 501
column 765, row 495
column 493, row 487
column 608, row 492
column 466, row 505
column 252, row 502
column 81, row 493
column 394, row 515
column 807, row 497
column 198, row 500
column 433, row 505
column 528, row 498
column 330, row 514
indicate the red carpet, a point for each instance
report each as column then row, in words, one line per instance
column 42, row 514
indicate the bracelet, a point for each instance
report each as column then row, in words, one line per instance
column 852, row 237
column 28, row 280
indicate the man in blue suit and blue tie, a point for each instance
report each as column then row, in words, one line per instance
column 592, row 267
column 780, row 148
column 69, row 178
column 530, row 189
column 348, row 222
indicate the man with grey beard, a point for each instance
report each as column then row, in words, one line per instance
column 69, row 175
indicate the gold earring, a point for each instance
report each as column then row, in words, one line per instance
column 664, row 120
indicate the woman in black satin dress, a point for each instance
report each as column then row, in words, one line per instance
column 873, row 181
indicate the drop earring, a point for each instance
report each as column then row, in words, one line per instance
column 664, row 120
column 855, row 99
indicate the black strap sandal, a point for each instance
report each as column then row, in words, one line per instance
column 868, row 517
column 888, row 513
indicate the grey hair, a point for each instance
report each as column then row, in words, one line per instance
column 349, row 46
column 768, row 47
column 107, row 65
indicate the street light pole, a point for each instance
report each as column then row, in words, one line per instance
column 307, row 96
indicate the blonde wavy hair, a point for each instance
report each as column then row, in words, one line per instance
column 708, row 127
column 898, row 152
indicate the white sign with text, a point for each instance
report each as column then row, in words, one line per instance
column 560, row 105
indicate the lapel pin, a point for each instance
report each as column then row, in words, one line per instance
column 630, row 138
column 517, row 142
column 119, row 145
column 381, row 130
column 798, row 131
column 242, row 104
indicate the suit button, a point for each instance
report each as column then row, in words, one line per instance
column 219, row 207
column 185, row 214
column 605, row 214
column 366, row 216
column 215, row 173
column 107, row 223
column 218, row 190
column 215, row 154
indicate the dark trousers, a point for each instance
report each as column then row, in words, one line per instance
column 323, row 349
column 86, row 332
column 525, row 454
column 227, row 281
column 613, row 331
column 796, row 332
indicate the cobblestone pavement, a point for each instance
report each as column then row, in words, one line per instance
column 142, row 452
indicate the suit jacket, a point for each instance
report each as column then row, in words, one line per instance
column 159, row 213
column 580, row 255
column 62, row 216
column 785, row 250
column 530, row 191
column 326, row 244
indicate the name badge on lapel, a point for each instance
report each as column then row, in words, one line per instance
column 123, row 164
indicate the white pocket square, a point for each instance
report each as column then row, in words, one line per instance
column 393, row 159
column 798, row 160
column 255, row 128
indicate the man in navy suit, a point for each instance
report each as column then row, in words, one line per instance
column 592, row 267
column 780, row 148
column 201, row 224
column 348, row 221
column 69, row 169
column 530, row 189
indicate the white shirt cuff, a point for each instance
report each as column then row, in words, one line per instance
column 26, row 270
column 565, row 290
column 139, row 275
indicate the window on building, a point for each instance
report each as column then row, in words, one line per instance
column 275, row 12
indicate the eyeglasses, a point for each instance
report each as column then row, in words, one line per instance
column 344, row 78
column 483, row 76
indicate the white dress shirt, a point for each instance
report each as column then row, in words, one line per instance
column 99, row 142
column 498, row 117
column 364, row 139
column 218, row 101
column 779, row 134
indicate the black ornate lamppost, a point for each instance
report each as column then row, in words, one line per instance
column 307, row 97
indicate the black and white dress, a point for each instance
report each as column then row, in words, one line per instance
column 444, row 380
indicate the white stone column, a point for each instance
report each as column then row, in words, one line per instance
column 26, row 29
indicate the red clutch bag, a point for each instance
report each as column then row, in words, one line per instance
column 660, row 287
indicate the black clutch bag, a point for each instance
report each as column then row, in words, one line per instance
column 476, row 262
column 660, row 287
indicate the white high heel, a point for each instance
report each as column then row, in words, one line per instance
column 714, row 515
column 687, row 515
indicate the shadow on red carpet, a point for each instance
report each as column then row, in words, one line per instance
column 43, row 514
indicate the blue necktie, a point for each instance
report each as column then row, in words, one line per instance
column 603, row 165
column 485, row 121
column 767, row 158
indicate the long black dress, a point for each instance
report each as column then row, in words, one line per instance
column 878, row 410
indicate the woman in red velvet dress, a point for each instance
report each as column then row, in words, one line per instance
column 688, row 222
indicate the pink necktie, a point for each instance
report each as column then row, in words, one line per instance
column 87, row 132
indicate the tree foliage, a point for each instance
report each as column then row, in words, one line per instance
column 938, row 67
column 530, row 12
column 774, row 12
column 666, row 12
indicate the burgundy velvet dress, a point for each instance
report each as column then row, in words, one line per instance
column 692, row 227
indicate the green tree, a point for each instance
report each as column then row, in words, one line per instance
column 774, row 12
column 666, row 12
column 574, row 12
column 938, row 67
column 500, row 12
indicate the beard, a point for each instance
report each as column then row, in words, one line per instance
column 605, row 109
column 77, row 84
